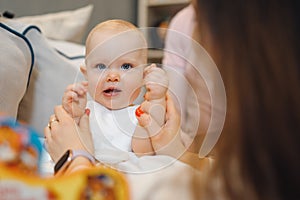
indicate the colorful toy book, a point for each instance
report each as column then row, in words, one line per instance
column 20, row 154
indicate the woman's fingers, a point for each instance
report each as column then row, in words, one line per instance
column 47, row 133
column 63, row 133
column 171, row 111
column 60, row 113
column 145, row 106
column 168, row 140
column 85, row 133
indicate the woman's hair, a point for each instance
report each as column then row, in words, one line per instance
column 255, row 44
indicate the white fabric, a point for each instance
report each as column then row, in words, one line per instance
column 75, row 52
column 51, row 74
column 15, row 62
column 176, row 58
column 172, row 182
column 112, row 132
column 66, row 25
column 178, row 38
column 149, row 177
column 70, row 49
column 46, row 163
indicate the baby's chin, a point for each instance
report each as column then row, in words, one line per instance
column 116, row 106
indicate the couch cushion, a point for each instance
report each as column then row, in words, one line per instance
column 51, row 74
column 15, row 65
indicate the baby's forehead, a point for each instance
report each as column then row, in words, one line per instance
column 102, row 35
column 104, row 38
column 113, row 27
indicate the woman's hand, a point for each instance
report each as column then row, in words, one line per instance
column 167, row 140
column 63, row 133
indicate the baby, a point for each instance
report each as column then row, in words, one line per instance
column 115, row 70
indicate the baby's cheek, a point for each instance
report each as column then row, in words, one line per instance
column 93, row 89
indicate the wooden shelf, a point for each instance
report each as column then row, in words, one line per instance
column 155, row 53
column 166, row 2
column 151, row 13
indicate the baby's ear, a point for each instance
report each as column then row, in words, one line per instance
column 83, row 71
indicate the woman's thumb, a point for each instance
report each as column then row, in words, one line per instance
column 86, row 135
column 84, row 121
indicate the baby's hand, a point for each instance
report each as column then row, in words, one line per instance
column 74, row 99
column 156, row 81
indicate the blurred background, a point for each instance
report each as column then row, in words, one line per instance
column 103, row 9
column 143, row 13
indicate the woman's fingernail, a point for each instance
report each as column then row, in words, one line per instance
column 138, row 111
column 87, row 111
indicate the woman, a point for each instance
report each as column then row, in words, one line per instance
column 255, row 44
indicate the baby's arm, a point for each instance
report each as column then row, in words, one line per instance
column 74, row 99
column 156, row 82
column 141, row 143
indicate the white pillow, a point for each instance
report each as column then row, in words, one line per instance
column 24, row 48
column 15, row 64
column 66, row 25
column 51, row 75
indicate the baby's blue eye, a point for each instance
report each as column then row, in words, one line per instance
column 101, row 66
column 126, row 66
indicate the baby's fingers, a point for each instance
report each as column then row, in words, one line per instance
column 149, row 68
column 156, row 75
column 145, row 120
column 79, row 88
column 70, row 96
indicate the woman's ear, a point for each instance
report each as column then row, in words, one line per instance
column 83, row 71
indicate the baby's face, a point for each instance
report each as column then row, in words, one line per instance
column 114, row 69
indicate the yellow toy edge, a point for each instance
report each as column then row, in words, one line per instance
column 69, row 186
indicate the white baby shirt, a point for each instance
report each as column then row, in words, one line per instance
column 112, row 132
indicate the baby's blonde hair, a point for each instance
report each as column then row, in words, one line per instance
column 118, row 26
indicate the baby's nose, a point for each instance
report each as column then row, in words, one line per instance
column 113, row 77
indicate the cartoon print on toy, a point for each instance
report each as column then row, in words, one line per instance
column 98, row 187
column 20, row 148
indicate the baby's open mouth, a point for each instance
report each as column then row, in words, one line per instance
column 112, row 90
